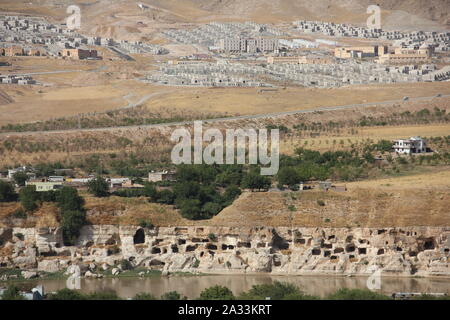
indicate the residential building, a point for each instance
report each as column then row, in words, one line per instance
column 410, row 146
column 161, row 176
column 43, row 186
column 79, row 54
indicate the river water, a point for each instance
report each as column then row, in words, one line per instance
column 191, row 286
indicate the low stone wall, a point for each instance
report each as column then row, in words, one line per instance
column 418, row 251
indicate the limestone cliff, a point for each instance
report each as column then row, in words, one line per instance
column 418, row 251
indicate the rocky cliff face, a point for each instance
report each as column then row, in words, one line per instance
column 421, row 251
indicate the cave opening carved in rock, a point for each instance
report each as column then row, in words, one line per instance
column 139, row 236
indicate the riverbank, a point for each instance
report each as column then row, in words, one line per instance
column 192, row 286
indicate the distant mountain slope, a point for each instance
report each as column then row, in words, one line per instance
column 118, row 17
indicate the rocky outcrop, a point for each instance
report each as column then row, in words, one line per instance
column 421, row 251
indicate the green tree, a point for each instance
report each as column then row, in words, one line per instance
column 172, row 295
column 150, row 191
column 276, row 291
column 211, row 208
column 12, row 293
column 66, row 294
column 20, row 178
column 254, row 180
column 288, row 176
column 99, row 187
column 231, row 193
column 166, row 197
column 144, row 296
column 191, row 209
column 69, row 200
column 103, row 295
column 7, row 192
column 28, row 198
column 71, row 223
column 217, row 293
column 356, row 294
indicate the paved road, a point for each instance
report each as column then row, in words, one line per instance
column 245, row 117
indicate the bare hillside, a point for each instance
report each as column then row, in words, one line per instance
column 123, row 18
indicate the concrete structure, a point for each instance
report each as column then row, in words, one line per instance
column 299, row 60
column 79, row 54
column 407, row 56
column 161, row 176
column 43, row 186
column 359, row 52
column 410, row 146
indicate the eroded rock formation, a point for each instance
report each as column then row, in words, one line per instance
column 419, row 251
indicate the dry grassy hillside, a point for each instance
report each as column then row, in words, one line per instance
column 417, row 200
column 120, row 18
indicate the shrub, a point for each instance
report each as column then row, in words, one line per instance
column 103, row 295
column 69, row 200
column 146, row 224
column 254, row 180
column 196, row 263
column 356, row 294
column 125, row 265
column 212, row 237
column 217, row 293
column 71, row 223
column 12, row 293
column 231, row 193
column 98, row 187
column 211, row 209
column 19, row 236
column 276, row 291
column 19, row 214
column 165, row 197
column 321, row 203
column 66, row 294
column 288, row 176
column 172, row 295
column 190, row 209
column 20, row 178
column 7, row 192
column 144, row 296
column 28, row 197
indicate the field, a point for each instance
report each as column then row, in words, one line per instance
column 245, row 101
column 345, row 140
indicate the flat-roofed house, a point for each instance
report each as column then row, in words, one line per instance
column 43, row 186
column 161, row 176
column 410, row 146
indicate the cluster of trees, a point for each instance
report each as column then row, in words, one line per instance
column 200, row 191
column 7, row 192
column 309, row 165
column 70, row 203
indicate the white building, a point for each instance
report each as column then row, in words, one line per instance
column 410, row 146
